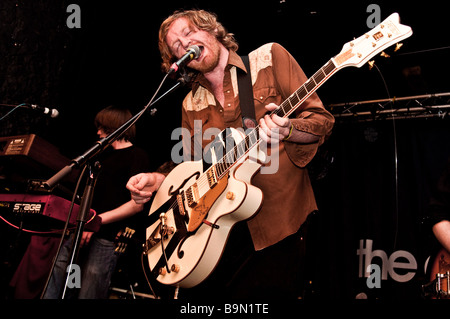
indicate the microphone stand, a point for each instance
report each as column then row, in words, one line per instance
column 87, row 157
column 83, row 214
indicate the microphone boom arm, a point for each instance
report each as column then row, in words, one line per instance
column 101, row 145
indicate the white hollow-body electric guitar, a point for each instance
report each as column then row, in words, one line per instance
column 194, row 209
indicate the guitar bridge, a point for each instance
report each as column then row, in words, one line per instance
column 151, row 241
column 149, row 244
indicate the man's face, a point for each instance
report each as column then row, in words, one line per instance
column 182, row 34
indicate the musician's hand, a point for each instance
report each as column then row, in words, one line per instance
column 142, row 186
column 274, row 127
column 86, row 238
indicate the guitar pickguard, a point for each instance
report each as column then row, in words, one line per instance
column 173, row 192
column 196, row 226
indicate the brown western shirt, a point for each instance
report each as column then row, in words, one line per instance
column 288, row 194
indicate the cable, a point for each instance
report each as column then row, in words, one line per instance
column 56, row 231
column 425, row 50
column 146, row 278
column 123, row 129
column 135, row 120
column 15, row 108
column 395, row 158
column 145, row 108
column 163, row 232
column 64, row 232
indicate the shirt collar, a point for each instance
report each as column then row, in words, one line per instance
column 235, row 59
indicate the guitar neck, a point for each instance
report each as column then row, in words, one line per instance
column 286, row 108
column 354, row 53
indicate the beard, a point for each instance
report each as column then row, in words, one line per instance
column 210, row 62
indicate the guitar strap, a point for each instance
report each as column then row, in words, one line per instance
column 246, row 96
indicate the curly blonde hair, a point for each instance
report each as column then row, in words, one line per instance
column 201, row 19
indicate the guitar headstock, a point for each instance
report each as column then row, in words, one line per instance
column 360, row 50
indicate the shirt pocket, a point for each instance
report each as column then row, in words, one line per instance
column 265, row 95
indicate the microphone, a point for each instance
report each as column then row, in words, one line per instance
column 192, row 53
column 53, row 112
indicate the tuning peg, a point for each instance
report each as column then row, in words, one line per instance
column 371, row 64
column 385, row 55
column 398, row 46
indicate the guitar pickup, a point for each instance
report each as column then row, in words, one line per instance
column 212, row 177
column 180, row 204
column 192, row 195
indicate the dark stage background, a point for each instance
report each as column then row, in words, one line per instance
column 373, row 178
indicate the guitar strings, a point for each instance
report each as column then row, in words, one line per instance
column 317, row 80
column 396, row 179
column 245, row 145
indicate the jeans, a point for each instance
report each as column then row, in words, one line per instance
column 97, row 263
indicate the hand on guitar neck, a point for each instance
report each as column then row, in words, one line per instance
column 274, row 127
column 143, row 185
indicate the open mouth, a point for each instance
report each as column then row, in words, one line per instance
column 201, row 52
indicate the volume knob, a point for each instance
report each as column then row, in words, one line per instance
column 162, row 271
column 175, row 268
column 230, row 196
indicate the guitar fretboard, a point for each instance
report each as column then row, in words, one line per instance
column 285, row 109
